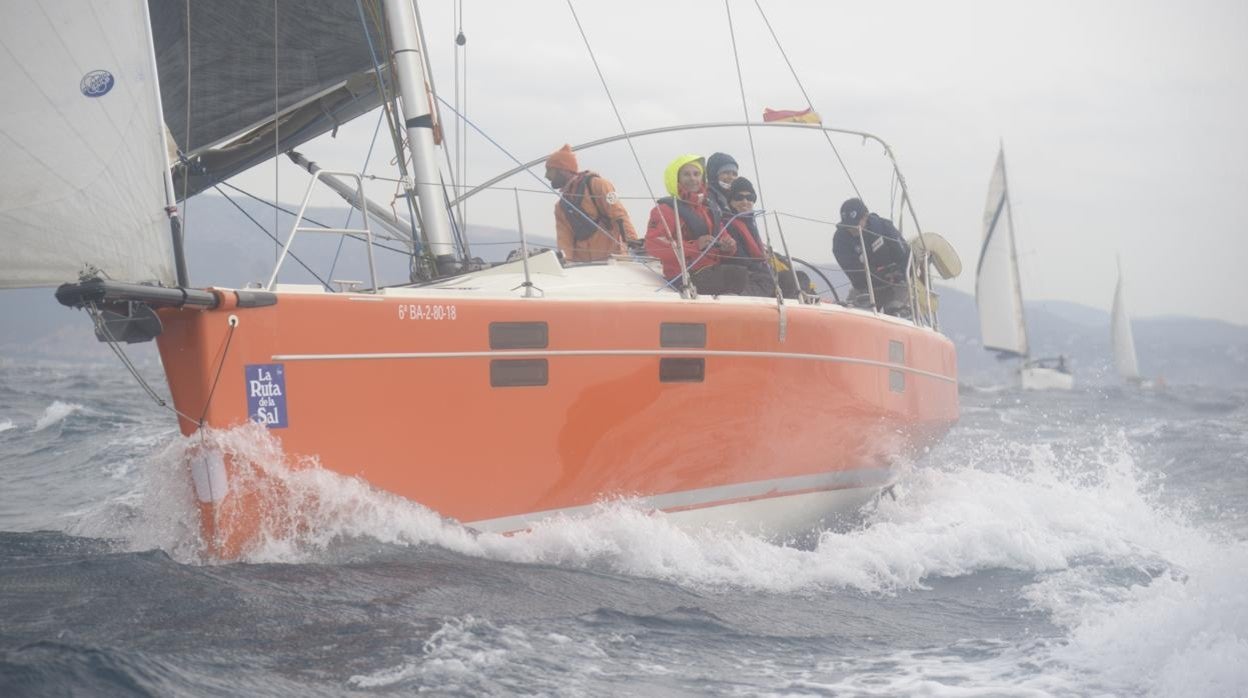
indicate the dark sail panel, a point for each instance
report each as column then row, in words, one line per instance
column 319, row 70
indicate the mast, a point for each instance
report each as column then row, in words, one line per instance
column 1018, row 278
column 434, row 219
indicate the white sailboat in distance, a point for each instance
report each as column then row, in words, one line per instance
column 999, row 294
column 1121, row 338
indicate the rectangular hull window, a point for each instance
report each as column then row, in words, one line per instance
column 682, row 370
column 513, row 373
column 682, row 335
column 896, row 381
column 518, row 335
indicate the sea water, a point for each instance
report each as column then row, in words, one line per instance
column 1068, row 544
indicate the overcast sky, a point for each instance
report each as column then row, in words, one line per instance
column 1125, row 124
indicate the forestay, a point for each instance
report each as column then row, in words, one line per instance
column 997, row 289
column 82, row 145
column 1122, row 337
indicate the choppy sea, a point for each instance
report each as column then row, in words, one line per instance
column 1082, row 544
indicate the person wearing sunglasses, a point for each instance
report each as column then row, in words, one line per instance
column 751, row 252
column 704, row 247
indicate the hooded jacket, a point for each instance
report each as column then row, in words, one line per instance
column 696, row 220
column 717, row 195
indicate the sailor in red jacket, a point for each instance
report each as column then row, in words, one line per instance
column 706, row 244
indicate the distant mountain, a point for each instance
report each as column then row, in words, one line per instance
column 227, row 249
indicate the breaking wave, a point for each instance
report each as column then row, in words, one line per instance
column 55, row 414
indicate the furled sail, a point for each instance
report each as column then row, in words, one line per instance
column 82, row 181
column 312, row 57
column 998, row 292
column 1121, row 337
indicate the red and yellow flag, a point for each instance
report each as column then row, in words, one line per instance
column 805, row 116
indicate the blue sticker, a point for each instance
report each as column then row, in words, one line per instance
column 96, row 83
column 266, row 394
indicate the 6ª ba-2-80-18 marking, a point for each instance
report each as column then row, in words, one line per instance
column 417, row 311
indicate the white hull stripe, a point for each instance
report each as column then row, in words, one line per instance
column 607, row 352
column 874, row 478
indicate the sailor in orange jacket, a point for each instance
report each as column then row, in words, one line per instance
column 590, row 222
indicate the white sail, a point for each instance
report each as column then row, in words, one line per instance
column 82, row 144
column 997, row 289
column 1121, row 337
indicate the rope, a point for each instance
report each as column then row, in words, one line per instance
column 806, row 96
column 114, row 345
column 216, row 378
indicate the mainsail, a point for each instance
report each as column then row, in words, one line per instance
column 998, row 292
column 1121, row 337
column 82, row 144
column 241, row 61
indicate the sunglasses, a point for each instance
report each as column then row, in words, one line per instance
column 745, row 197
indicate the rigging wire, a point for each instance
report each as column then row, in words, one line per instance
column 392, row 112
column 351, row 210
column 458, row 230
column 310, row 220
column 98, row 319
column 611, row 99
column 806, row 96
column 758, row 173
column 277, row 141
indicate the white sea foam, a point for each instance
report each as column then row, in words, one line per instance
column 475, row 656
column 6, row 424
column 1073, row 516
column 55, row 414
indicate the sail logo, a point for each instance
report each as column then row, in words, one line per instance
column 266, row 394
column 96, row 83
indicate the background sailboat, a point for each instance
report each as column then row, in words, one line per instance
column 1121, row 338
column 999, row 293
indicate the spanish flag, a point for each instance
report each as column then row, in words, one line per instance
column 805, row 116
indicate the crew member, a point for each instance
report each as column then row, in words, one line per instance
column 705, row 244
column 590, row 222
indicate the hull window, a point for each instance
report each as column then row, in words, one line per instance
column 518, row 335
column 896, row 352
column 896, row 381
column 515, row 373
column 682, row 335
column 682, row 370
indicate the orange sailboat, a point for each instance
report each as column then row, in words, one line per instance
column 494, row 395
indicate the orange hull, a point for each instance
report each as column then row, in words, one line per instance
column 398, row 391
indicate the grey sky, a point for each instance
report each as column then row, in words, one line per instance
column 1123, row 123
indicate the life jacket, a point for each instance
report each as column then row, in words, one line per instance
column 583, row 225
column 692, row 226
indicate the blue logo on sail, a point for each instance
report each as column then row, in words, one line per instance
column 96, row 83
column 266, row 394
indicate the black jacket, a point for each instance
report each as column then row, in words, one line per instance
column 887, row 251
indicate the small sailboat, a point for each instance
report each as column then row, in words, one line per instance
column 1121, row 337
column 999, row 293
column 493, row 395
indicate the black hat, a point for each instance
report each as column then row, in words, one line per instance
column 741, row 184
column 852, row 210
